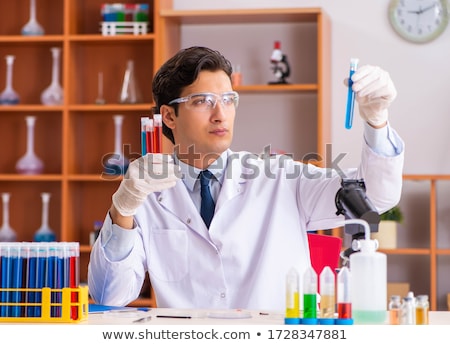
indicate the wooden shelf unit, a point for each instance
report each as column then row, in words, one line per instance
column 73, row 138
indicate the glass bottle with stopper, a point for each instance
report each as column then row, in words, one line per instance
column 44, row 233
column 9, row 96
column 7, row 234
column 30, row 164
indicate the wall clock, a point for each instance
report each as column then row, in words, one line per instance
column 419, row 21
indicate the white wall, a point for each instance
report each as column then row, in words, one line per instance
column 421, row 74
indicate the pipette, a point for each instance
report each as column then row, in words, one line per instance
column 351, row 94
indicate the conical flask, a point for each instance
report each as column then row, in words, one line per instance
column 44, row 233
column 30, row 164
column 129, row 92
column 32, row 27
column 117, row 163
column 9, row 96
column 53, row 95
column 7, row 234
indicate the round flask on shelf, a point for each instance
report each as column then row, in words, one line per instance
column 9, row 96
column 32, row 27
column 53, row 95
column 7, row 234
column 44, row 233
column 30, row 164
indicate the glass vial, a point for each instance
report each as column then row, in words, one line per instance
column 9, row 96
column 395, row 305
column 53, row 95
column 407, row 315
column 30, row 164
column 422, row 308
column 7, row 234
column 129, row 92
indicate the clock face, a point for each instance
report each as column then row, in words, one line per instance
column 418, row 21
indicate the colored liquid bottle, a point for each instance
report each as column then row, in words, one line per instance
column 422, row 308
column 395, row 305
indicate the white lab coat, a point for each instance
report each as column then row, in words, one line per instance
column 257, row 234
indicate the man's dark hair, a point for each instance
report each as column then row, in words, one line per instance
column 182, row 70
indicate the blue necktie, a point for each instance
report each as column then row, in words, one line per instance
column 207, row 206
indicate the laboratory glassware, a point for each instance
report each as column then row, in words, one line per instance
column 9, row 96
column 100, row 99
column 351, row 94
column 7, row 234
column 44, row 233
column 53, row 94
column 32, row 27
column 129, row 92
column 117, row 163
column 30, row 163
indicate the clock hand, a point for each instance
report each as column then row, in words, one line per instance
column 426, row 9
column 422, row 10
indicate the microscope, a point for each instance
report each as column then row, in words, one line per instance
column 280, row 68
column 352, row 202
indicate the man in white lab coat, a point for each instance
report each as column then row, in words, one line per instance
column 263, row 206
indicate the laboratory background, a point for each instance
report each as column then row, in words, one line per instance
column 54, row 175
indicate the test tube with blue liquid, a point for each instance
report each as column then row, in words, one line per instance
column 351, row 94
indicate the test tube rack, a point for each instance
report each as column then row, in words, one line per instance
column 68, row 310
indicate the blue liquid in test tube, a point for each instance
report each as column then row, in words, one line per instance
column 350, row 94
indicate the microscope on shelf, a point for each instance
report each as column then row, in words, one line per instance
column 280, row 68
column 352, row 202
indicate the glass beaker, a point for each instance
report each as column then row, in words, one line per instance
column 44, row 233
column 7, row 234
column 53, row 95
column 32, row 27
column 9, row 96
column 129, row 92
column 30, row 164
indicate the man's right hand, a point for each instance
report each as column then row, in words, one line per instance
column 148, row 174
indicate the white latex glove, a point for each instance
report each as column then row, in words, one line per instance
column 374, row 91
column 148, row 174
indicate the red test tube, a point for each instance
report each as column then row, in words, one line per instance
column 157, row 133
